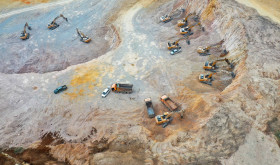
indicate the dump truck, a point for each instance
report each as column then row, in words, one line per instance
column 170, row 104
column 150, row 109
column 122, row 88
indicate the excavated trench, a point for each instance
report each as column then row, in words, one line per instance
column 216, row 119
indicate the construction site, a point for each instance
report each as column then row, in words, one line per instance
column 132, row 82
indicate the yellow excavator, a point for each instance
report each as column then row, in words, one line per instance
column 84, row 38
column 206, row 79
column 54, row 25
column 187, row 31
column 24, row 35
column 206, row 49
column 171, row 15
column 184, row 22
column 211, row 66
column 166, row 118
column 174, row 47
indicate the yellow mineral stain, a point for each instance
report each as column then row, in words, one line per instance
column 86, row 78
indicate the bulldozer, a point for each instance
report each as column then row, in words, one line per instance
column 54, row 25
column 164, row 119
column 187, row 31
column 206, row 79
column 211, row 66
column 184, row 22
column 84, row 38
column 205, row 50
column 171, row 15
column 24, row 35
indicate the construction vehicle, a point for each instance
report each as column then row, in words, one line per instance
column 174, row 46
column 211, row 66
column 171, row 15
column 122, row 88
column 24, row 34
column 168, row 103
column 150, row 109
column 184, row 22
column 207, row 79
column 205, row 50
column 164, row 119
column 187, row 31
column 84, row 38
column 54, row 25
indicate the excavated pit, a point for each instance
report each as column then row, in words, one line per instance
column 218, row 122
column 54, row 50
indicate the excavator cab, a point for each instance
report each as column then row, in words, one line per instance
column 165, row 18
column 54, row 25
column 175, row 51
column 164, row 119
column 206, row 79
column 203, row 50
column 25, row 35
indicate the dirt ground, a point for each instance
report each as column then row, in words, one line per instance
column 128, row 45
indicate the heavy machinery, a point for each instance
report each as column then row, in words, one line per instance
column 171, row 15
column 187, row 31
column 164, row 119
column 122, row 88
column 174, row 47
column 211, row 66
column 205, row 50
column 84, row 38
column 54, row 25
column 184, row 22
column 24, row 34
column 168, row 103
column 206, row 79
column 150, row 109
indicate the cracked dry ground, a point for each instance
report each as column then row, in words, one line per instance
column 235, row 121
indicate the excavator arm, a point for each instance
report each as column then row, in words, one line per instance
column 186, row 19
column 54, row 21
column 53, row 24
column 24, row 34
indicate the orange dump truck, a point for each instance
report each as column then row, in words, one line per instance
column 170, row 104
column 122, row 88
